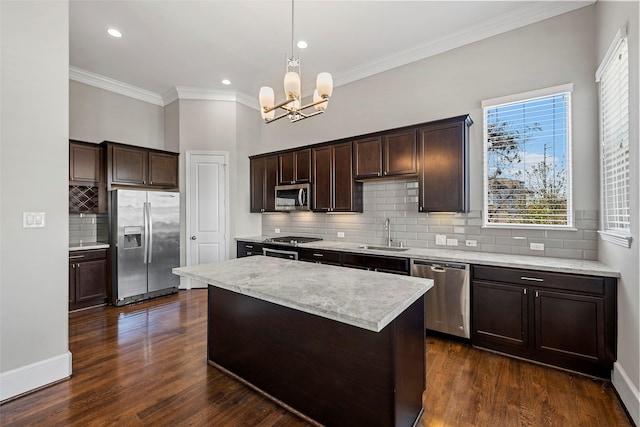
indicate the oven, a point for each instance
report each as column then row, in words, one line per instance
column 280, row 253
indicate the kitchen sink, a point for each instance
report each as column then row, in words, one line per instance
column 384, row 248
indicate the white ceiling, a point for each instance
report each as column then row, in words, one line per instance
column 196, row 44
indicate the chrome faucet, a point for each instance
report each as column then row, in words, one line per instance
column 387, row 228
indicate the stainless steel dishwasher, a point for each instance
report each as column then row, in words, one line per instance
column 447, row 303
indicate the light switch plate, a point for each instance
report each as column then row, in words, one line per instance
column 536, row 246
column 441, row 239
column 452, row 242
column 340, row 233
column 277, row 231
column 33, row 219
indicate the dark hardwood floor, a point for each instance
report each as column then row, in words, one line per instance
column 145, row 364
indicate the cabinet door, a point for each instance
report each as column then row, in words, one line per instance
column 85, row 164
column 286, row 168
column 72, row 283
column 570, row 325
column 320, row 256
column 443, row 173
column 367, row 157
column 257, row 177
column 163, row 169
column 345, row 198
column 500, row 315
column 91, row 282
column 322, row 179
column 245, row 249
column 129, row 165
column 400, row 153
column 302, row 163
column 270, row 182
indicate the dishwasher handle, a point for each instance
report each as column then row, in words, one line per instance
column 438, row 266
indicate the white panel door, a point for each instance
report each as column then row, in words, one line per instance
column 207, row 209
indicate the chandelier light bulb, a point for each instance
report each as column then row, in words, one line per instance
column 292, row 85
column 324, row 84
column 267, row 99
column 317, row 98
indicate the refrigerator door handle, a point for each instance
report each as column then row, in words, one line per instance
column 150, row 221
column 145, row 221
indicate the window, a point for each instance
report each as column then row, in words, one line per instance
column 527, row 159
column 613, row 75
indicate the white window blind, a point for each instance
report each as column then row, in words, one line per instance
column 613, row 75
column 527, row 152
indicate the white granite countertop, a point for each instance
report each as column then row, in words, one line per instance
column 88, row 245
column 365, row 299
column 562, row 265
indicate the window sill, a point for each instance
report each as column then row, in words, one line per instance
column 616, row 239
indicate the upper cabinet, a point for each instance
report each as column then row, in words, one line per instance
column 443, row 173
column 334, row 188
column 385, row 156
column 85, row 163
column 135, row 166
column 295, row 167
column 263, row 181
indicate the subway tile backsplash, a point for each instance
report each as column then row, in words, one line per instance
column 398, row 200
column 87, row 228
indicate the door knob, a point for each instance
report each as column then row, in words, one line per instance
column 193, row 237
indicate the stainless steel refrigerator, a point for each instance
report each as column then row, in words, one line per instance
column 145, row 228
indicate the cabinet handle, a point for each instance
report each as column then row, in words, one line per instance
column 531, row 279
column 144, row 182
column 524, row 291
column 150, row 182
column 378, row 173
column 318, row 255
column 249, row 253
column 76, row 256
column 248, row 246
column 537, row 295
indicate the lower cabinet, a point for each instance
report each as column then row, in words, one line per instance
column 88, row 278
column 564, row 320
column 245, row 249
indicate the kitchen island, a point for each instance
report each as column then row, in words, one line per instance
column 336, row 346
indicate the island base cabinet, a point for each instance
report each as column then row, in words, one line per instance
column 333, row 373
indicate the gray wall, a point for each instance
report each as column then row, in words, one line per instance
column 626, row 377
column 98, row 115
column 34, row 177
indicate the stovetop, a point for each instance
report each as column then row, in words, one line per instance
column 291, row 240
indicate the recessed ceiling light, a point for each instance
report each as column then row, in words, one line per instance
column 113, row 32
column 302, row 44
column 226, row 82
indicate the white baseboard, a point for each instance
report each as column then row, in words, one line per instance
column 32, row 377
column 628, row 393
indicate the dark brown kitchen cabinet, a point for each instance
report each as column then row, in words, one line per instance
column 334, row 188
column 564, row 320
column 87, row 181
column 320, row 256
column 85, row 164
column 443, row 172
column 141, row 167
column 245, row 249
column 88, row 278
column 378, row 263
column 387, row 155
column 263, row 181
column 295, row 167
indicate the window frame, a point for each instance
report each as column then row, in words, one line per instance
column 521, row 97
column 618, row 236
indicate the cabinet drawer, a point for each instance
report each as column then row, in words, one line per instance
column 249, row 249
column 376, row 263
column 323, row 257
column 88, row 255
column 541, row 279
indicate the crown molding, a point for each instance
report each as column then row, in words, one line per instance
column 500, row 24
column 106, row 83
column 195, row 93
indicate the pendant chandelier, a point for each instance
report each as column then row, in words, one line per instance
column 291, row 106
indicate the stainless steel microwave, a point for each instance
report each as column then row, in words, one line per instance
column 295, row 197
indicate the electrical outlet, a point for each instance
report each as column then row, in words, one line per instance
column 277, row 231
column 452, row 242
column 536, row 246
column 472, row 243
column 340, row 233
column 441, row 239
